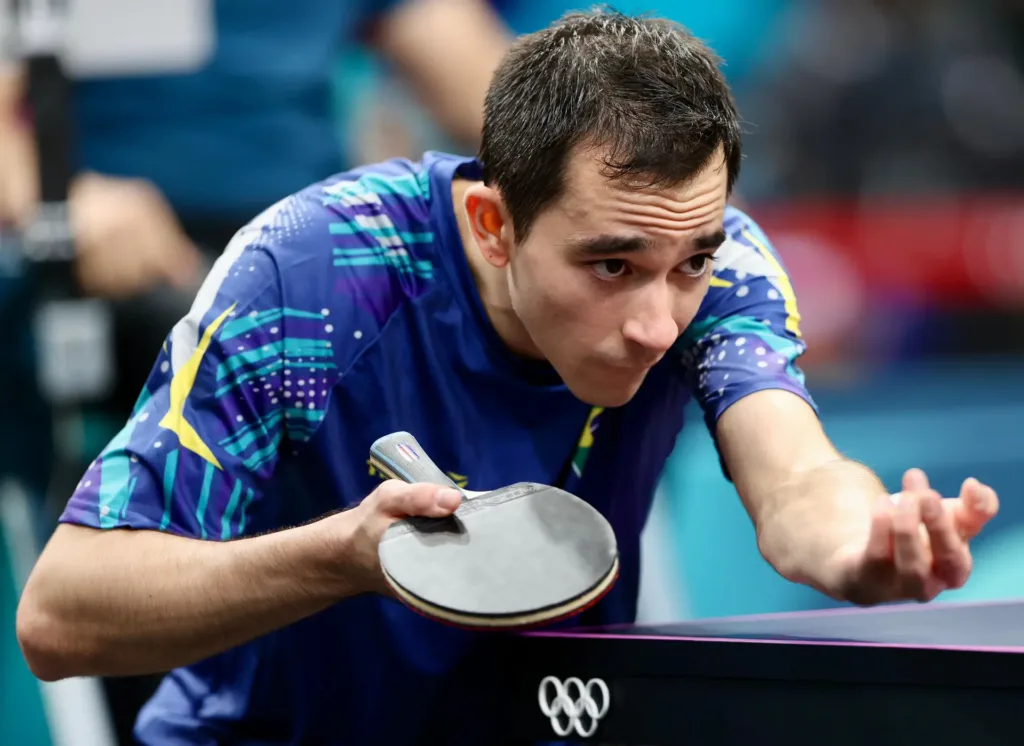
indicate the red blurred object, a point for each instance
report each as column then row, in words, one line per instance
column 941, row 252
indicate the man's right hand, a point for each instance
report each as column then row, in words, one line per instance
column 392, row 500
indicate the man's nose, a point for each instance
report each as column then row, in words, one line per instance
column 652, row 324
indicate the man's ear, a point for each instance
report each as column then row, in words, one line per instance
column 489, row 223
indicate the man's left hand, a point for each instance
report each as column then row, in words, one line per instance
column 917, row 545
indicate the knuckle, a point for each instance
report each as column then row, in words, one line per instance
column 917, row 580
column 948, row 568
column 904, row 530
column 419, row 499
column 396, row 496
column 387, row 491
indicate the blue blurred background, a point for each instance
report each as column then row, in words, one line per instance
column 885, row 159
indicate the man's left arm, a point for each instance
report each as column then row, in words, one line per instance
column 821, row 519
column 829, row 522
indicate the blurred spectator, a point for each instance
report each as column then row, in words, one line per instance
column 172, row 165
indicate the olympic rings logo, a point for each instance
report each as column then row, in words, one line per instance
column 582, row 705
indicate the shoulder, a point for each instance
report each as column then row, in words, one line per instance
column 750, row 276
column 352, row 249
column 747, row 249
column 749, row 287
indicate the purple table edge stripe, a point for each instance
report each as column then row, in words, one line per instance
column 595, row 633
column 832, row 643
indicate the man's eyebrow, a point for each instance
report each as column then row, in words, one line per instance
column 710, row 240
column 597, row 247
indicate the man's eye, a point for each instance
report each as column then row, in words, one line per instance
column 697, row 265
column 609, row 269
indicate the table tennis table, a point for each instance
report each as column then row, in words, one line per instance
column 939, row 673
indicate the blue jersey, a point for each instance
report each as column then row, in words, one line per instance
column 346, row 312
column 254, row 124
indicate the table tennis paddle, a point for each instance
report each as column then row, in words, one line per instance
column 515, row 557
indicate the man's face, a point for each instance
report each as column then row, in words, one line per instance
column 610, row 276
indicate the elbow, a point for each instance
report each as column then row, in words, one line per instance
column 37, row 635
column 51, row 648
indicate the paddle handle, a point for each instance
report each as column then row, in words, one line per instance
column 400, row 455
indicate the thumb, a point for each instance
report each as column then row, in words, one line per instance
column 399, row 499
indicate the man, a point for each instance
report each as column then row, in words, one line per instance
column 549, row 312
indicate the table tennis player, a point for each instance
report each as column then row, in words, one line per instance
column 542, row 312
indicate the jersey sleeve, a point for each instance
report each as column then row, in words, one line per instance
column 245, row 375
column 746, row 336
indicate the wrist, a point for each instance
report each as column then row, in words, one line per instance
column 809, row 537
column 339, row 555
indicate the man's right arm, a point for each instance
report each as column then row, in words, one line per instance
column 127, row 602
column 173, row 550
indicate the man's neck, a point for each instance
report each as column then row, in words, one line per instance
column 491, row 283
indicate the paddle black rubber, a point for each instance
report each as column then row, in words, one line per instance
column 517, row 556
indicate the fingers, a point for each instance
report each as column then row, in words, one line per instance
column 915, row 480
column 951, row 559
column 398, row 499
column 912, row 558
column 978, row 505
column 880, row 546
column 918, row 543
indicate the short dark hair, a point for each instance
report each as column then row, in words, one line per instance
column 643, row 88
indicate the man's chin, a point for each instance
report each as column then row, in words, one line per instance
column 606, row 394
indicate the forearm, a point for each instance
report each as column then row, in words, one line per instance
column 448, row 50
column 18, row 163
column 807, row 517
column 131, row 602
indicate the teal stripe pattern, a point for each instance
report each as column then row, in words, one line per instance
column 170, row 473
column 245, row 511
column 397, row 259
column 387, row 246
column 301, row 423
column 237, row 443
column 256, row 459
column 248, row 323
column 115, row 488
column 131, row 491
column 229, row 511
column 317, row 349
column 349, row 228
column 369, row 189
column 204, row 499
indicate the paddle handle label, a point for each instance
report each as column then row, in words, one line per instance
column 401, row 456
